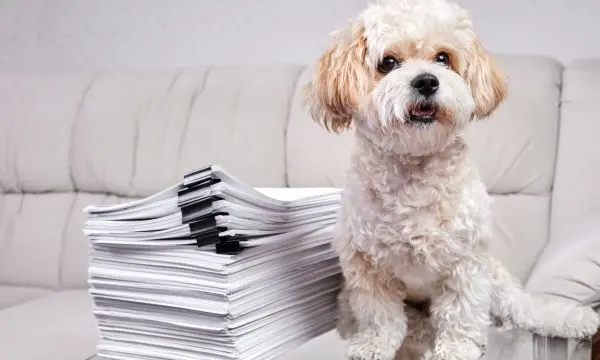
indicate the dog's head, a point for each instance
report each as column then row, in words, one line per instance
column 409, row 73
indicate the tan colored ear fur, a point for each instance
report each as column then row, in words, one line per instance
column 488, row 85
column 339, row 80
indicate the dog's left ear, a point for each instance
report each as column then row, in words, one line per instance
column 339, row 79
column 488, row 85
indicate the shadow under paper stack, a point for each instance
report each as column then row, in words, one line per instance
column 212, row 268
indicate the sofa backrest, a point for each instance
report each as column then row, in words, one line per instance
column 69, row 140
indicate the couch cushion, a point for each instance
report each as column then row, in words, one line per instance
column 58, row 326
column 576, row 190
column 134, row 133
column 14, row 295
column 569, row 265
column 41, row 239
column 515, row 149
column 37, row 115
column 520, row 231
column 31, row 238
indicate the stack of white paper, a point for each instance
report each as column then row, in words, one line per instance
column 213, row 269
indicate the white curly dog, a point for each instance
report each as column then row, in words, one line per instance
column 409, row 76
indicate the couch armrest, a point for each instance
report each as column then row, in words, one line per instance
column 522, row 344
column 593, row 301
column 549, row 348
column 569, row 266
column 577, row 174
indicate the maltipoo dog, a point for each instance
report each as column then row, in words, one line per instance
column 413, row 235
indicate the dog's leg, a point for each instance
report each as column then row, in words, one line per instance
column 346, row 323
column 460, row 313
column 513, row 307
column 381, row 325
column 420, row 336
column 376, row 303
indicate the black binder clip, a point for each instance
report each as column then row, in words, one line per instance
column 229, row 247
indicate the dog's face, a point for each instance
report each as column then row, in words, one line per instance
column 410, row 73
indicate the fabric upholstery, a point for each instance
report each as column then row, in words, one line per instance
column 520, row 231
column 41, row 240
column 110, row 132
column 38, row 111
column 58, row 326
column 325, row 160
column 515, row 149
column 576, row 191
column 569, row 266
column 14, row 295
column 32, row 241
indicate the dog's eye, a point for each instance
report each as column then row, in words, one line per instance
column 387, row 64
column 442, row 58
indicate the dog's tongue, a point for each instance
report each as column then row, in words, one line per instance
column 423, row 110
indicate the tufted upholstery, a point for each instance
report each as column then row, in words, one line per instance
column 72, row 139
column 134, row 133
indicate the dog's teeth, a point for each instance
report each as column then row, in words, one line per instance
column 417, row 112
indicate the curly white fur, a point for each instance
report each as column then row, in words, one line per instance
column 415, row 223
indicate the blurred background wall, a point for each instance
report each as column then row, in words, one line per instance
column 104, row 34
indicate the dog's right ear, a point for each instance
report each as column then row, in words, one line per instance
column 487, row 83
column 339, row 80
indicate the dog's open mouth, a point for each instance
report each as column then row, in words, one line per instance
column 423, row 113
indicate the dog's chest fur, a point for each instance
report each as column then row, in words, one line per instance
column 415, row 217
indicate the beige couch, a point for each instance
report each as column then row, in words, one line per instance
column 71, row 139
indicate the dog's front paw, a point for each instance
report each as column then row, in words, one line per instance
column 369, row 348
column 582, row 322
column 459, row 349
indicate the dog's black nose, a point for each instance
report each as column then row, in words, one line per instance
column 426, row 84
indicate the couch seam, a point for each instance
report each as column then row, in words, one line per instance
column 49, row 291
column 74, row 127
column 560, row 87
column 11, row 232
column 8, row 152
column 170, row 88
column 1, row 216
column 559, row 126
column 136, row 139
column 61, row 252
column 174, row 81
column 2, row 205
column 286, row 175
column 186, row 124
